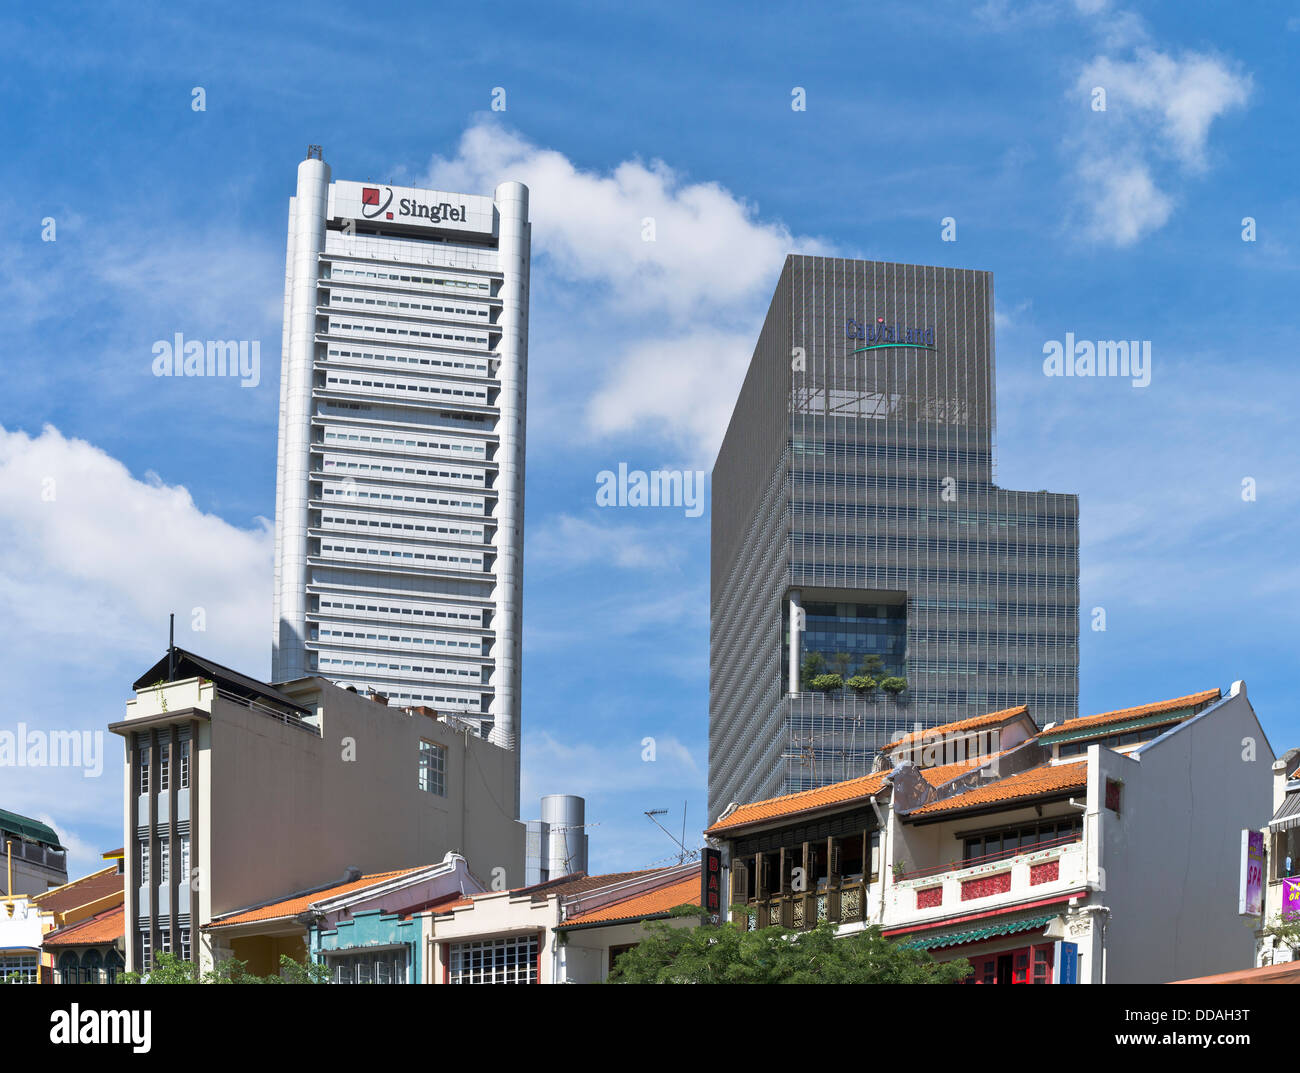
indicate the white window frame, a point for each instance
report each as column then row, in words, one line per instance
column 433, row 778
column 495, row 961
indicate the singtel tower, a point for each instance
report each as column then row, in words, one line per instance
column 400, row 476
column 856, row 521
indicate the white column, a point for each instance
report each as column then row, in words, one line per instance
column 796, row 631
column 514, row 237
column 306, row 241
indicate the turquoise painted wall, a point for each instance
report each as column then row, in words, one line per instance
column 374, row 928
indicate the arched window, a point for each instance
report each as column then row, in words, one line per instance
column 92, row 962
column 113, row 965
column 69, row 967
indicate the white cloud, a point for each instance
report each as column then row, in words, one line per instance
column 91, row 562
column 708, row 252
column 1176, row 97
column 701, row 286
column 566, row 541
column 1125, row 202
column 111, row 555
column 1153, row 132
column 683, row 388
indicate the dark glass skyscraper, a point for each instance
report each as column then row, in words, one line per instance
column 854, row 498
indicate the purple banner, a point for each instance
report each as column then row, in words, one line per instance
column 1291, row 898
column 1252, row 873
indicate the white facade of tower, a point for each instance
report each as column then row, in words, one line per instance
column 400, row 474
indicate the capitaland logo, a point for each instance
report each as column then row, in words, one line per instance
column 374, row 204
column 881, row 335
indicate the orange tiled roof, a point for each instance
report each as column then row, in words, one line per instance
column 961, row 726
column 1286, row 972
column 579, row 883
column 1032, row 783
column 803, row 801
column 102, row 928
column 291, row 907
column 1189, row 701
column 564, row 886
column 81, row 891
column 941, row 773
column 639, row 906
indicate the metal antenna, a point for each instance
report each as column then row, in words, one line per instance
column 685, row 854
column 682, row 840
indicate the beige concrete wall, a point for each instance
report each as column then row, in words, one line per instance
column 288, row 811
column 493, row 916
column 584, row 954
column 282, row 810
column 1171, row 857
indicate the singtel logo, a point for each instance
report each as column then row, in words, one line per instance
column 373, row 204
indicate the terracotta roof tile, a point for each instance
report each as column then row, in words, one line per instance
column 639, row 906
column 803, row 801
column 942, row 773
column 81, row 891
column 961, row 726
column 1192, row 700
column 1035, row 782
column 564, row 886
column 1285, row 972
column 104, row 927
column 291, row 907
column 580, row 883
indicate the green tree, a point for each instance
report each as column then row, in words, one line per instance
column 813, row 664
column 826, row 683
column 893, row 684
column 872, row 666
column 1284, row 930
column 724, row 954
column 169, row 969
column 842, row 661
column 861, row 684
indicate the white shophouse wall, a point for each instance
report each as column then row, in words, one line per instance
column 1171, row 858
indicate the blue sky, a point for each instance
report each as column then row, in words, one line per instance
column 123, row 497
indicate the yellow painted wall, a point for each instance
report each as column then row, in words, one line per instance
column 262, row 952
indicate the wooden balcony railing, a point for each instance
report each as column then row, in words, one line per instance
column 839, row 903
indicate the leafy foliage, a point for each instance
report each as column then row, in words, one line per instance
column 893, row 684
column 861, row 684
column 813, row 664
column 872, row 665
column 169, row 969
column 724, row 954
column 826, row 683
column 1284, row 930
